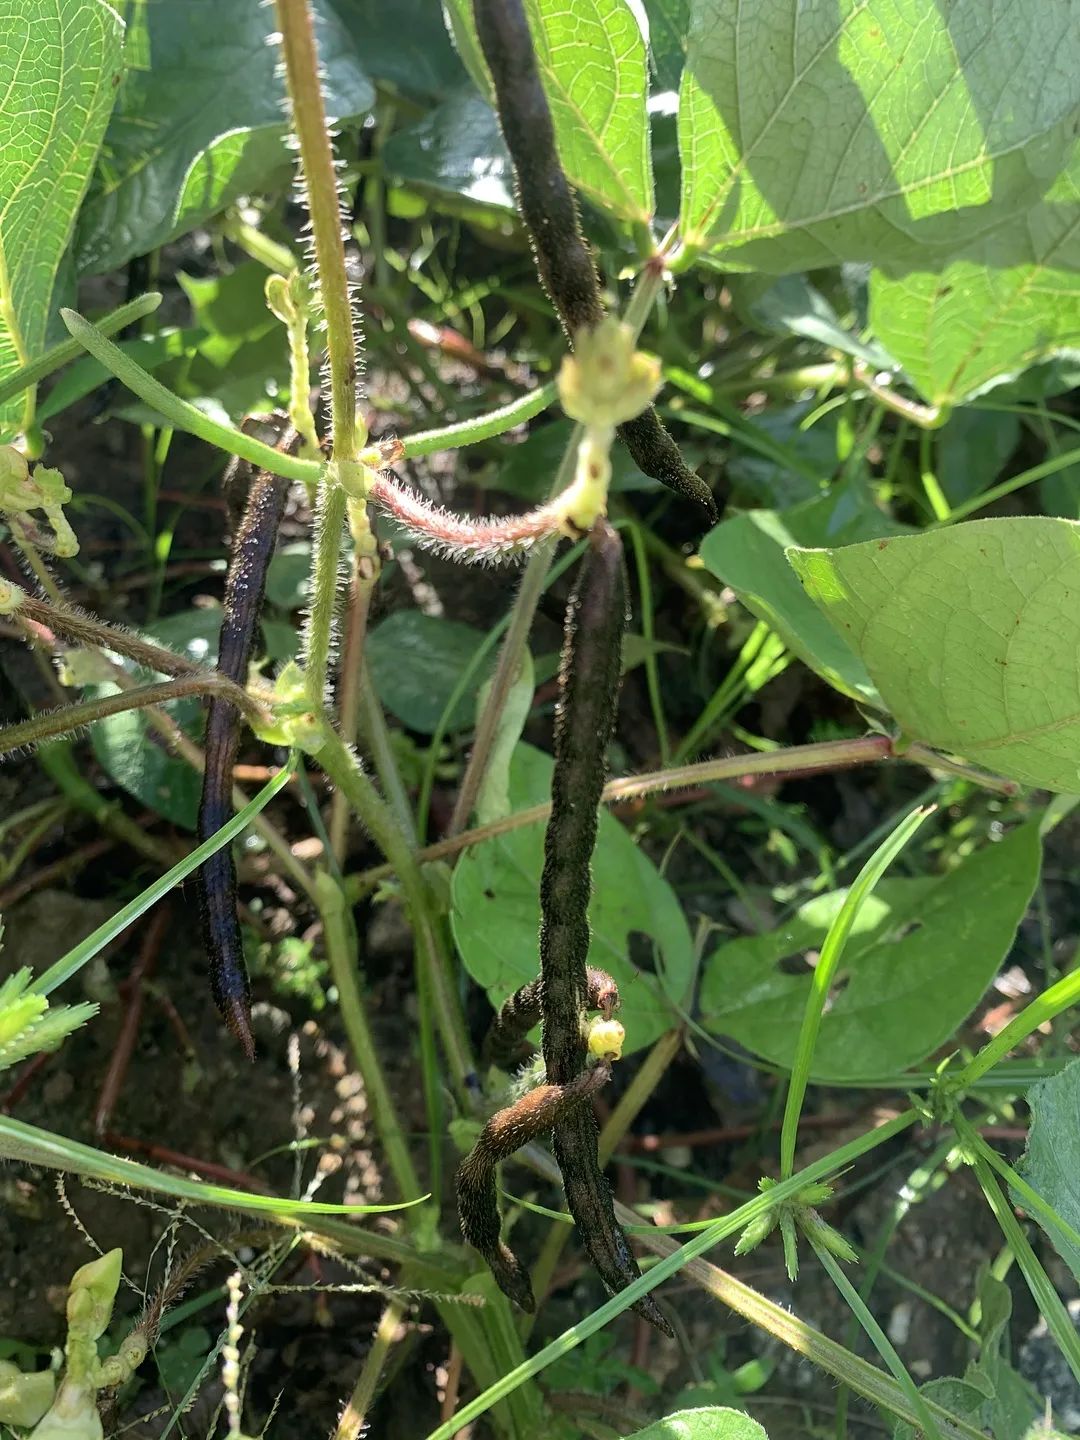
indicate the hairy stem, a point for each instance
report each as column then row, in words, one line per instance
column 51, row 724
column 325, row 580
column 341, row 951
column 85, row 629
column 320, row 183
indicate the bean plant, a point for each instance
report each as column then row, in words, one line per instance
column 879, row 203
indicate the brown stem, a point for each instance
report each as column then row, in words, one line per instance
column 49, row 724
column 84, row 629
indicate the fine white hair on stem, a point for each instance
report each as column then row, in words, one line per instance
column 486, row 540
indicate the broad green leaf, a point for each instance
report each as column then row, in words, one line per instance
column 747, row 553
column 455, row 149
column 594, row 70
column 972, row 637
column 875, row 130
column 1051, row 1163
column 920, row 955
column 59, row 65
column 790, row 305
column 416, row 662
column 200, row 120
column 713, row 1422
column 133, row 754
column 404, row 46
column 669, row 25
column 1010, row 300
column 461, row 25
column 496, row 912
column 972, row 450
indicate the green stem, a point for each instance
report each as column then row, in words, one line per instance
column 1016, row 482
column 320, row 182
column 824, row 971
column 864, row 1378
column 376, row 736
column 179, row 413
column 326, row 574
column 1048, row 1302
column 51, row 724
column 341, row 952
column 1045, row 1007
column 481, row 427
column 377, row 817
column 68, row 350
column 881, row 1342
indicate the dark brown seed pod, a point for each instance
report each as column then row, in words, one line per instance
column 528, row 1118
column 506, row 1043
column 252, row 551
column 585, row 720
column 564, row 262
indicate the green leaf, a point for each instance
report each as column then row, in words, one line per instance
column 461, row 24
column 593, row 67
column 920, row 955
column 1051, row 1163
column 200, row 120
column 59, row 63
column 747, row 553
column 972, row 450
column 456, row 149
column 134, row 755
column 404, row 46
column 970, row 636
column 669, row 23
column 714, row 1422
column 1011, row 300
column 812, row 134
column 527, row 469
column 496, row 911
column 792, row 306
column 416, row 661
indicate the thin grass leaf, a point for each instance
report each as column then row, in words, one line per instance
column 831, row 952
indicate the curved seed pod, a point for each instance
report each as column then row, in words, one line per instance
column 563, row 260
column 534, row 1114
column 506, row 1043
column 252, row 551
column 589, row 689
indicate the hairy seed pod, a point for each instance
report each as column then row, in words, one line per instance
column 252, row 551
column 533, row 1115
column 585, row 720
column 506, row 1043
column 564, row 262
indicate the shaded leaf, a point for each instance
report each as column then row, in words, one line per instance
column 59, row 64
column 1051, row 1163
column 971, row 636
column 496, row 912
column 133, row 754
column 455, row 149
column 920, row 955
column 416, row 662
column 200, row 120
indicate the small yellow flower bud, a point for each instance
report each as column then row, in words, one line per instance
column 606, row 1039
